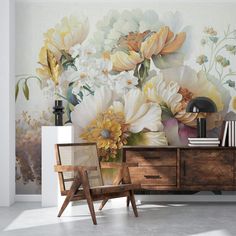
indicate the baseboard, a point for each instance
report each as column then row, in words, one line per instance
column 185, row 198
column 28, row 198
column 151, row 198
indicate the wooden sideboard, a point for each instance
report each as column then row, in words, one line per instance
column 182, row 168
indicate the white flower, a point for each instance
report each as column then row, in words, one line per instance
column 194, row 84
column 160, row 91
column 103, row 67
column 82, row 50
column 51, row 90
column 69, row 32
column 189, row 84
column 90, row 107
column 116, row 24
column 139, row 115
column 124, row 82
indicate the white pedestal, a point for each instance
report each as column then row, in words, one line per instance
column 50, row 186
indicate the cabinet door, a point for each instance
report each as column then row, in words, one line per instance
column 207, row 167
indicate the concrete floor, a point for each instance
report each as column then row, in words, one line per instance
column 200, row 219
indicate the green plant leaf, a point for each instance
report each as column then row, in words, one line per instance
column 147, row 63
column 66, row 56
column 230, row 83
column 112, row 72
column 71, row 106
column 141, row 71
column 135, row 139
column 16, row 90
column 136, row 74
column 26, row 90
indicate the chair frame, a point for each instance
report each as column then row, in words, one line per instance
column 122, row 186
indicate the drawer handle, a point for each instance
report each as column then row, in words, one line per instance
column 152, row 176
column 155, row 157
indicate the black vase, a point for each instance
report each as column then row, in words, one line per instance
column 58, row 110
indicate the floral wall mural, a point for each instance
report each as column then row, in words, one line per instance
column 125, row 77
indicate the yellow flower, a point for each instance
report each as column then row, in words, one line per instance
column 69, row 32
column 107, row 130
column 123, row 61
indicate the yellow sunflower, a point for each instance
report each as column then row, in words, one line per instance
column 108, row 131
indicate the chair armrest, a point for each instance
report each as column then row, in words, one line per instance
column 68, row 168
column 109, row 165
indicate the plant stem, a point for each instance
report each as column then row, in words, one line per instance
column 61, row 96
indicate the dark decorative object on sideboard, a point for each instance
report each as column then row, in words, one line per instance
column 58, row 110
column 201, row 105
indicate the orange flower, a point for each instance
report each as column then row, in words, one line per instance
column 162, row 42
column 133, row 48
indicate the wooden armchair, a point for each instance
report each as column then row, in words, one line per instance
column 80, row 178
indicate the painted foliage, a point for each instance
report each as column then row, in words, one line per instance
column 126, row 83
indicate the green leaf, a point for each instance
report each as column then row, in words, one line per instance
column 26, row 90
column 166, row 113
column 112, row 72
column 136, row 73
column 71, row 106
column 141, row 71
column 214, row 39
column 63, row 59
column 16, row 91
column 230, row 83
column 147, row 63
column 66, row 55
column 135, row 139
column 68, row 64
column 80, row 94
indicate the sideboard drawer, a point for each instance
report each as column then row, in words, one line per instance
column 162, row 175
column 152, row 158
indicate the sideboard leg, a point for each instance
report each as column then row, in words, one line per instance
column 218, row 192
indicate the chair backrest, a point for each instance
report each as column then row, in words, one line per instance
column 78, row 154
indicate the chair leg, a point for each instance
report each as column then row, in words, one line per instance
column 85, row 184
column 75, row 185
column 132, row 199
column 127, row 201
column 103, row 203
column 63, row 207
column 91, row 209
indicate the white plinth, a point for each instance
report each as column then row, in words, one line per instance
column 50, row 186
